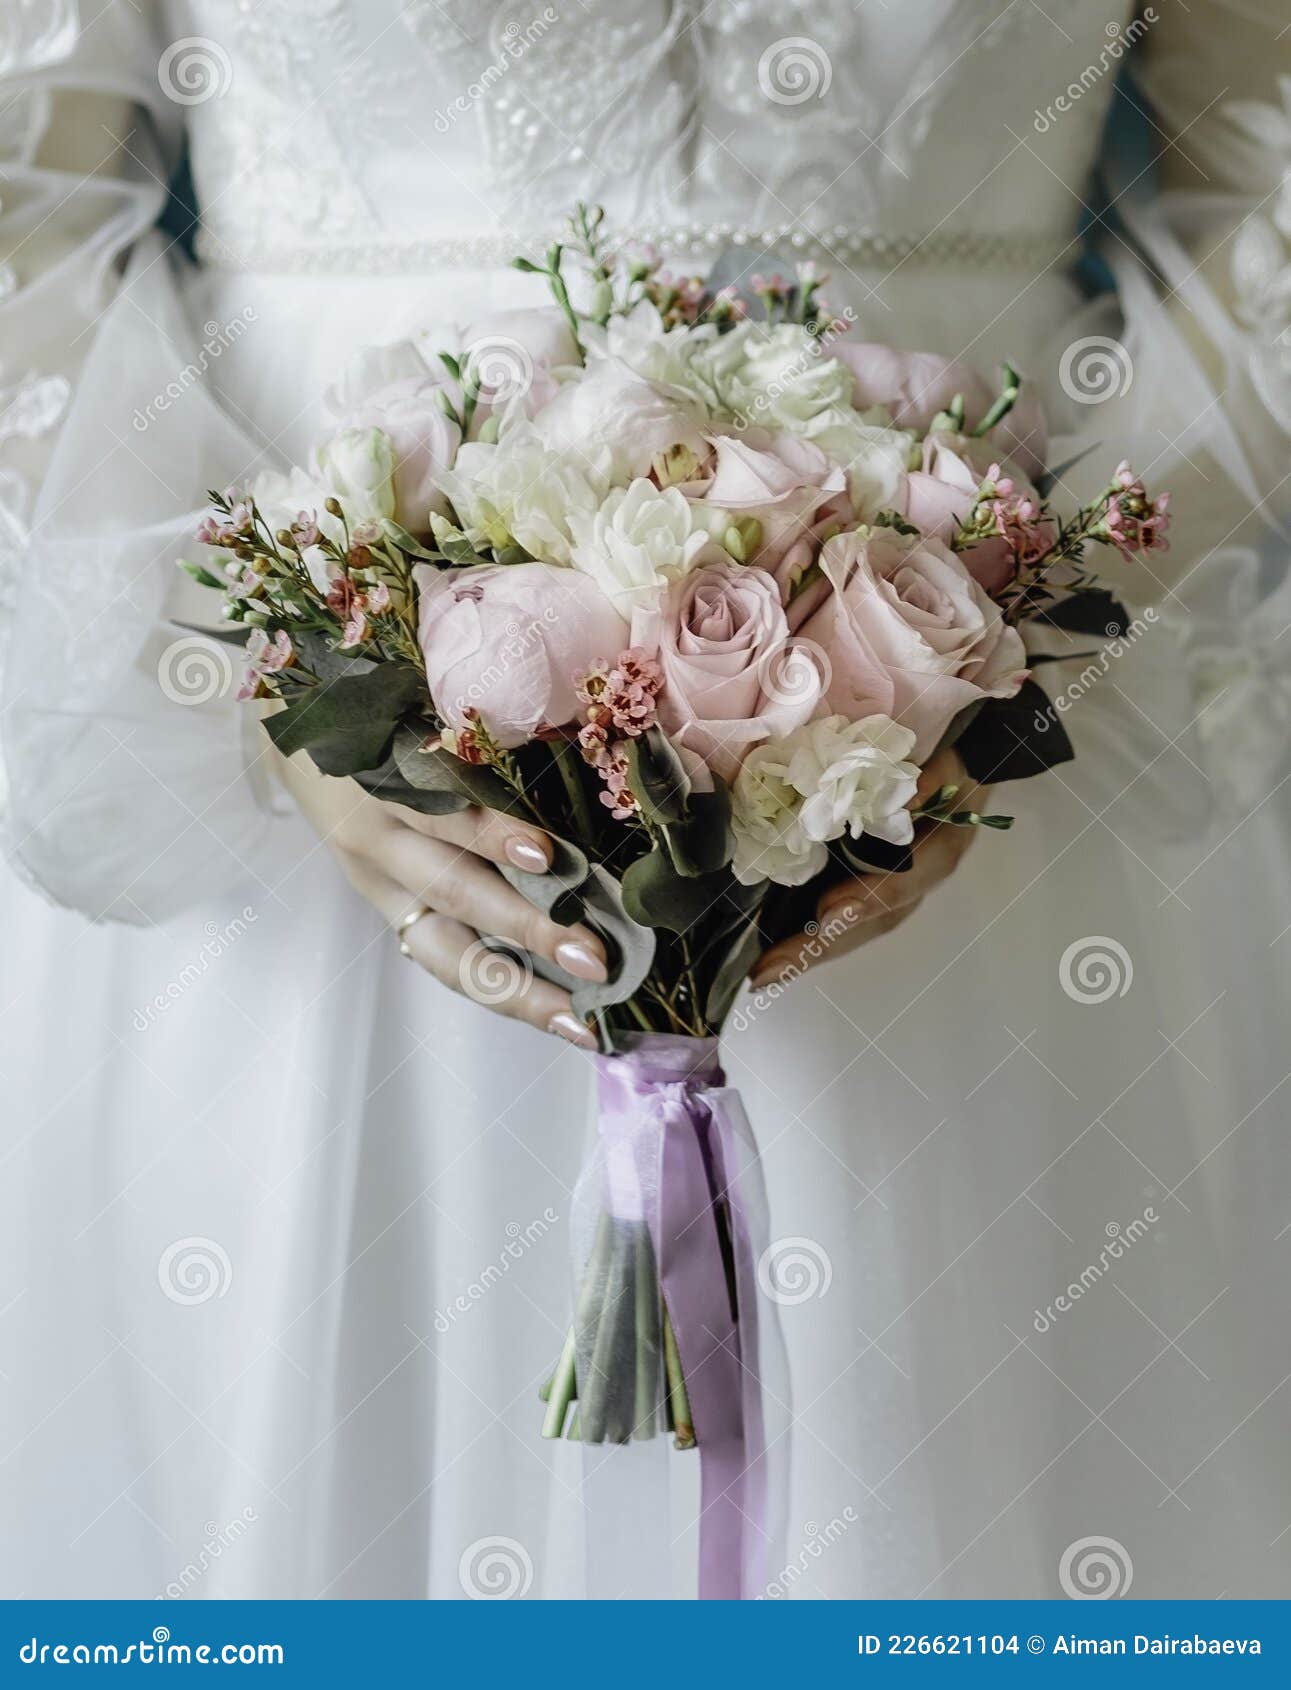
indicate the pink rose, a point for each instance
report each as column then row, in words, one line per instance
column 510, row 640
column 801, row 592
column 787, row 483
column 729, row 679
column 511, row 356
column 940, row 495
column 910, row 634
column 915, row 386
column 423, row 442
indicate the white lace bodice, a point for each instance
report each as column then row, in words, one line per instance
column 358, row 130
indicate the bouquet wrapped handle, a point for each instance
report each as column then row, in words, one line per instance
column 675, row 1164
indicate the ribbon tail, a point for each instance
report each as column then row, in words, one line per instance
column 702, row 1237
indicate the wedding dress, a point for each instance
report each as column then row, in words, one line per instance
column 282, row 1219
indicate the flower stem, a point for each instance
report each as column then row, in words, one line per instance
column 562, row 1390
column 683, row 1424
column 563, row 755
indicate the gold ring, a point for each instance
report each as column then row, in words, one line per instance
column 405, row 922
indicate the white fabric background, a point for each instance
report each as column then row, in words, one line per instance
column 952, row 1133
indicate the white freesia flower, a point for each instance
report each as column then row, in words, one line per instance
column 826, row 778
column 639, row 341
column 520, row 493
column 638, row 541
column 357, row 467
column 772, row 377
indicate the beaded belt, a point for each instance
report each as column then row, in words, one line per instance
column 845, row 244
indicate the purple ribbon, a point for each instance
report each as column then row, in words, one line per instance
column 668, row 1126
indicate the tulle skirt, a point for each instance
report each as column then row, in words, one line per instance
column 284, row 1220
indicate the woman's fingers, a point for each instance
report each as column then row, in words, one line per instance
column 453, row 881
column 837, row 935
column 459, row 959
column 488, row 833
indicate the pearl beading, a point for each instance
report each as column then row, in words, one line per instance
column 950, row 248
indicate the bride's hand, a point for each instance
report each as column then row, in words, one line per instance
column 402, row 861
column 853, row 912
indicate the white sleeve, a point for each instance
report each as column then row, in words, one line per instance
column 1199, row 241
column 126, row 758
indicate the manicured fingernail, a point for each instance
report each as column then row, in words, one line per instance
column 765, row 975
column 528, row 856
column 580, row 960
column 569, row 1027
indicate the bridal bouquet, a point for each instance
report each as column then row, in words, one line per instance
column 699, row 586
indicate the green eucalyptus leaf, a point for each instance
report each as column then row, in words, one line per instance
column 406, row 543
column 743, row 951
column 225, row 636
column 658, row 777
column 629, row 944
column 446, row 781
column 347, row 724
column 656, row 895
column 557, row 893
column 701, row 842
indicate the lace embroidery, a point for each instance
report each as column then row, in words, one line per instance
column 265, row 155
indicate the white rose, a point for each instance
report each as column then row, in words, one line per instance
column 876, row 458
column 519, row 492
column 357, row 467
column 854, row 778
column 638, row 541
column 639, row 341
column 772, row 377
column 826, row 778
column 614, row 425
